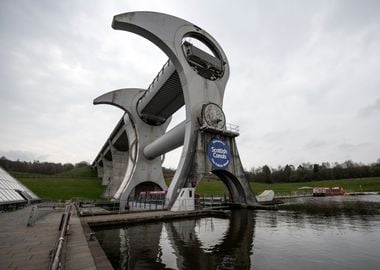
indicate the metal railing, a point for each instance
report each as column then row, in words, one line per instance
column 158, row 75
column 63, row 227
column 213, row 201
column 146, row 205
column 93, row 208
column 232, row 128
column 150, row 87
column 40, row 210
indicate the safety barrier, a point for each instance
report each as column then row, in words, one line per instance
column 55, row 263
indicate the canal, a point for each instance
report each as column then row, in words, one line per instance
column 324, row 233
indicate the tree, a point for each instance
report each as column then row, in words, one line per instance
column 82, row 164
column 267, row 174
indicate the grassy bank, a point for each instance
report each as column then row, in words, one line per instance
column 349, row 185
column 64, row 188
column 58, row 187
column 332, row 208
column 81, row 182
column 217, row 188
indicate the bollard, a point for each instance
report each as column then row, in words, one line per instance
column 31, row 217
column 92, row 236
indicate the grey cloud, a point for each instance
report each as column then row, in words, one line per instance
column 22, row 155
column 352, row 16
column 370, row 109
column 315, row 144
column 300, row 73
column 348, row 147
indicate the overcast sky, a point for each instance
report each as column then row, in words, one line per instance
column 304, row 83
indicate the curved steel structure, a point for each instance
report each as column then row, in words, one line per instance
column 192, row 78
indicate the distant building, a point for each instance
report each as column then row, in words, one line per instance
column 13, row 194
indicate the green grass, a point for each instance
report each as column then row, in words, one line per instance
column 84, row 171
column 80, row 182
column 208, row 187
column 349, row 185
column 213, row 187
column 54, row 188
column 334, row 208
column 18, row 175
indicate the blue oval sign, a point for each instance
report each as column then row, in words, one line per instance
column 218, row 153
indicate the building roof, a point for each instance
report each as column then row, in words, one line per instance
column 12, row 191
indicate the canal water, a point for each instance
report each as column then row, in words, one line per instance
column 348, row 238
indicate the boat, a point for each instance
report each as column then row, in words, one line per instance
column 328, row 191
column 319, row 191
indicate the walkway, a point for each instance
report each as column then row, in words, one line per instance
column 23, row 247
column 140, row 217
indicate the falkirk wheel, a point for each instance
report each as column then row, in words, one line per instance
column 131, row 159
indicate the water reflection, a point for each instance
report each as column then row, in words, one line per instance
column 250, row 240
column 207, row 243
column 286, row 240
column 210, row 245
column 339, row 211
column 133, row 248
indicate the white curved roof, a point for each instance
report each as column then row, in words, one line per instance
column 12, row 191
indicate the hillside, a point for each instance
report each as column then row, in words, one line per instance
column 80, row 182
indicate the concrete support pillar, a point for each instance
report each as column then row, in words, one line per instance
column 99, row 170
column 119, row 167
column 107, row 172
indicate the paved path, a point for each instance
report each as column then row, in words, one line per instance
column 23, row 247
column 78, row 255
column 138, row 217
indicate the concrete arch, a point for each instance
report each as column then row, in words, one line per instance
column 147, row 186
column 233, row 185
column 131, row 134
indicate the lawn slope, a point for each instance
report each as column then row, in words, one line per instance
column 79, row 182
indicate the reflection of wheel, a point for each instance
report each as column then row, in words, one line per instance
column 213, row 116
column 197, row 200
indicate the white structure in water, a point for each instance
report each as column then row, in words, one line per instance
column 185, row 200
